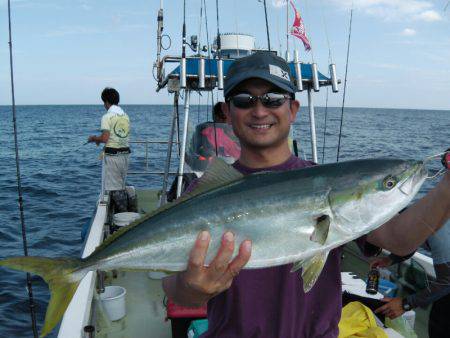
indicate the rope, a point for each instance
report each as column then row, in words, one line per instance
column 287, row 26
column 236, row 29
column 19, row 184
column 309, row 36
column 330, row 57
column 278, row 34
column 345, row 83
column 267, row 25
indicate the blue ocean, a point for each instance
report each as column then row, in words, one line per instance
column 61, row 176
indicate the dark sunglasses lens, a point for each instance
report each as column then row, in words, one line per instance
column 243, row 100
column 273, row 100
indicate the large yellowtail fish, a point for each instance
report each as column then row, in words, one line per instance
column 296, row 217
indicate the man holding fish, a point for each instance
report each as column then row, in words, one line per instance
column 272, row 301
column 248, row 237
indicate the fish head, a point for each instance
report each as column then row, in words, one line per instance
column 371, row 192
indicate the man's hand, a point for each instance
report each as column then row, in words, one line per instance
column 393, row 307
column 93, row 138
column 381, row 262
column 199, row 283
column 103, row 138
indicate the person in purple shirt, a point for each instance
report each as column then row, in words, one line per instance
column 261, row 106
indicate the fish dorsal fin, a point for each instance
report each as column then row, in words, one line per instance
column 217, row 174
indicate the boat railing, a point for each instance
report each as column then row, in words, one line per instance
column 147, row 145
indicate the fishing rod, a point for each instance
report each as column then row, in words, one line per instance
column 19, row 184
column 183, row 51
column 345, row 83
column 267, row 25
column 159, row 31
column 218, row 52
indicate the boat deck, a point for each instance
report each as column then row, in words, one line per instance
column 359, row 265
column 145, row 310
column 146, row 313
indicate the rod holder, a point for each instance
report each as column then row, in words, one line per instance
column 298, row 72
column 201, row 73
column 183, row 73
column 101, row 281
column 288, row 56
column 89, row 330
column 315, row 77
column 334, row 82
column 220, row 74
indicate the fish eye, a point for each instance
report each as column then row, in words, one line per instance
column 389, row 182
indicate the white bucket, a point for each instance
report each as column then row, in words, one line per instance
column 122, row 219
column 113, row 300
column 157, row 275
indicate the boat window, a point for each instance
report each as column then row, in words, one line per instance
column 202, row 147
column 234, row 53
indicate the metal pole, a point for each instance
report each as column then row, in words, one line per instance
column 183, row 144
column 162, row 200
column 312, row 121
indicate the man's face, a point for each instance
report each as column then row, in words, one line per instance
column 259, row 127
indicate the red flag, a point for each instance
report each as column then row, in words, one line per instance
column 298, row 29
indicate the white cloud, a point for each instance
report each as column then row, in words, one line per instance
column 384, row 65
column 420, row 10
column 429, row 16
column 408, row 32
column 279, row 3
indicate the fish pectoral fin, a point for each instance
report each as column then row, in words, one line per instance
column 321, row 229
column 312, row 268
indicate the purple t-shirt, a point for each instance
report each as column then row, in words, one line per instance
column 271, row 302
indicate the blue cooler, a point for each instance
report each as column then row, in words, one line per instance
column 387, row 288
column 197, row 328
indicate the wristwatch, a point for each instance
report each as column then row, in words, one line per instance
column 405, row 305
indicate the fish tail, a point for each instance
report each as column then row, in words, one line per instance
column 62, row 277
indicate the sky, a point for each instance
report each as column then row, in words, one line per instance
column 66, row 52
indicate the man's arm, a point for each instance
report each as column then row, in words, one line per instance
column 436, row 290
column 195, row 286
column 103, row 138
column 406, row 231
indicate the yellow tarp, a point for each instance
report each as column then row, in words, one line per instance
column 358, row 320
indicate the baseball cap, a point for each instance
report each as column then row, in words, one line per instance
column 264, row 65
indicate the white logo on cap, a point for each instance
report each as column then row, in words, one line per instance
column 277, row 71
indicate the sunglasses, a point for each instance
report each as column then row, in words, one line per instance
column 268, row 100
